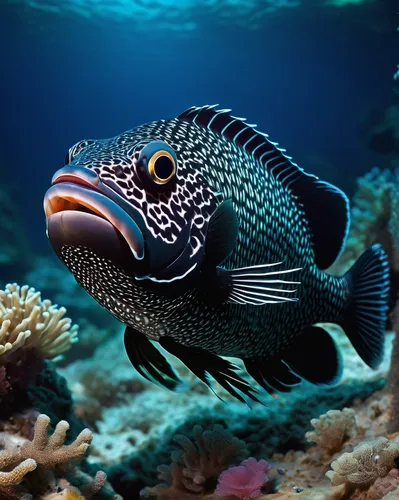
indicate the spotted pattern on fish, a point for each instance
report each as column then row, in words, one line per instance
column 285, row 216
column 228, row 329
column 261, row 202
column 272, row 228
column 165, row 214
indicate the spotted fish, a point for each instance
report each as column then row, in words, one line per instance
column 200, row 234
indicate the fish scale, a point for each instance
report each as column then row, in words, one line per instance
column 290, row 227
column 270, row 231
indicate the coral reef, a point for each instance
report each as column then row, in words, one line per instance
column 362, row 468
column 134, row 423
column 365, row 464
column 136, row 427
column 117, row 401
column 333, row 428
column 28, row 321
column 196, row 467
column 278, row 427
column 45, row 465
column 31, row 330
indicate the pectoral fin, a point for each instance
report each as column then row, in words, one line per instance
column 256, row 285
column 260, row 285
column 222, row 234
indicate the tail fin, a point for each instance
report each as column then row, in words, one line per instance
column 365, row 317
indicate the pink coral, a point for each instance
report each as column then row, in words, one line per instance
column 244, row 481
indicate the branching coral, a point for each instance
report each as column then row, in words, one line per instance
column 51, row 451
column 9, row 481
column 332, row 429
column 367, row 463
column 196, row 467
column 27, row 320
column 93, row 486
column 36, row 466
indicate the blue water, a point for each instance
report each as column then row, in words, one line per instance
column 312, row 76
column 308, row 76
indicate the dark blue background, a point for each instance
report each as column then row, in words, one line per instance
column 308, row 77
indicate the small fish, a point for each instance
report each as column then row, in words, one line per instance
column 200, row 234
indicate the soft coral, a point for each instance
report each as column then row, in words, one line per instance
column 244, row 481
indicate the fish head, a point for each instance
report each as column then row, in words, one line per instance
column 137, row 202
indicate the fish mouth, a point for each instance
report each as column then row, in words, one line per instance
column 81, row 210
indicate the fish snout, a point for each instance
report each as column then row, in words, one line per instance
column 81, row 211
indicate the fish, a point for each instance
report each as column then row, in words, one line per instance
column 207, row 241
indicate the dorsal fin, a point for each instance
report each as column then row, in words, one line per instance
column 245, row 135
column 328, row 218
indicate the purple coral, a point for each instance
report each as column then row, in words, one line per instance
column 244, row 481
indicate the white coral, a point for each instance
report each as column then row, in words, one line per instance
column 365, row 464
column 27, row 320
column 333, row 428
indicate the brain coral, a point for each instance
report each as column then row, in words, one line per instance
column 27, row 320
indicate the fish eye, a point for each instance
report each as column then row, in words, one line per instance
column 158, row 162
column 162, row 167
column 76, row 149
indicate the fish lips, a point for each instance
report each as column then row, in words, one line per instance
column 79, row 214
column 82, row 210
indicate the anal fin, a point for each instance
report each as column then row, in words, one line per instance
column 314, row 357
column 273, row 375
column 148, row 361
